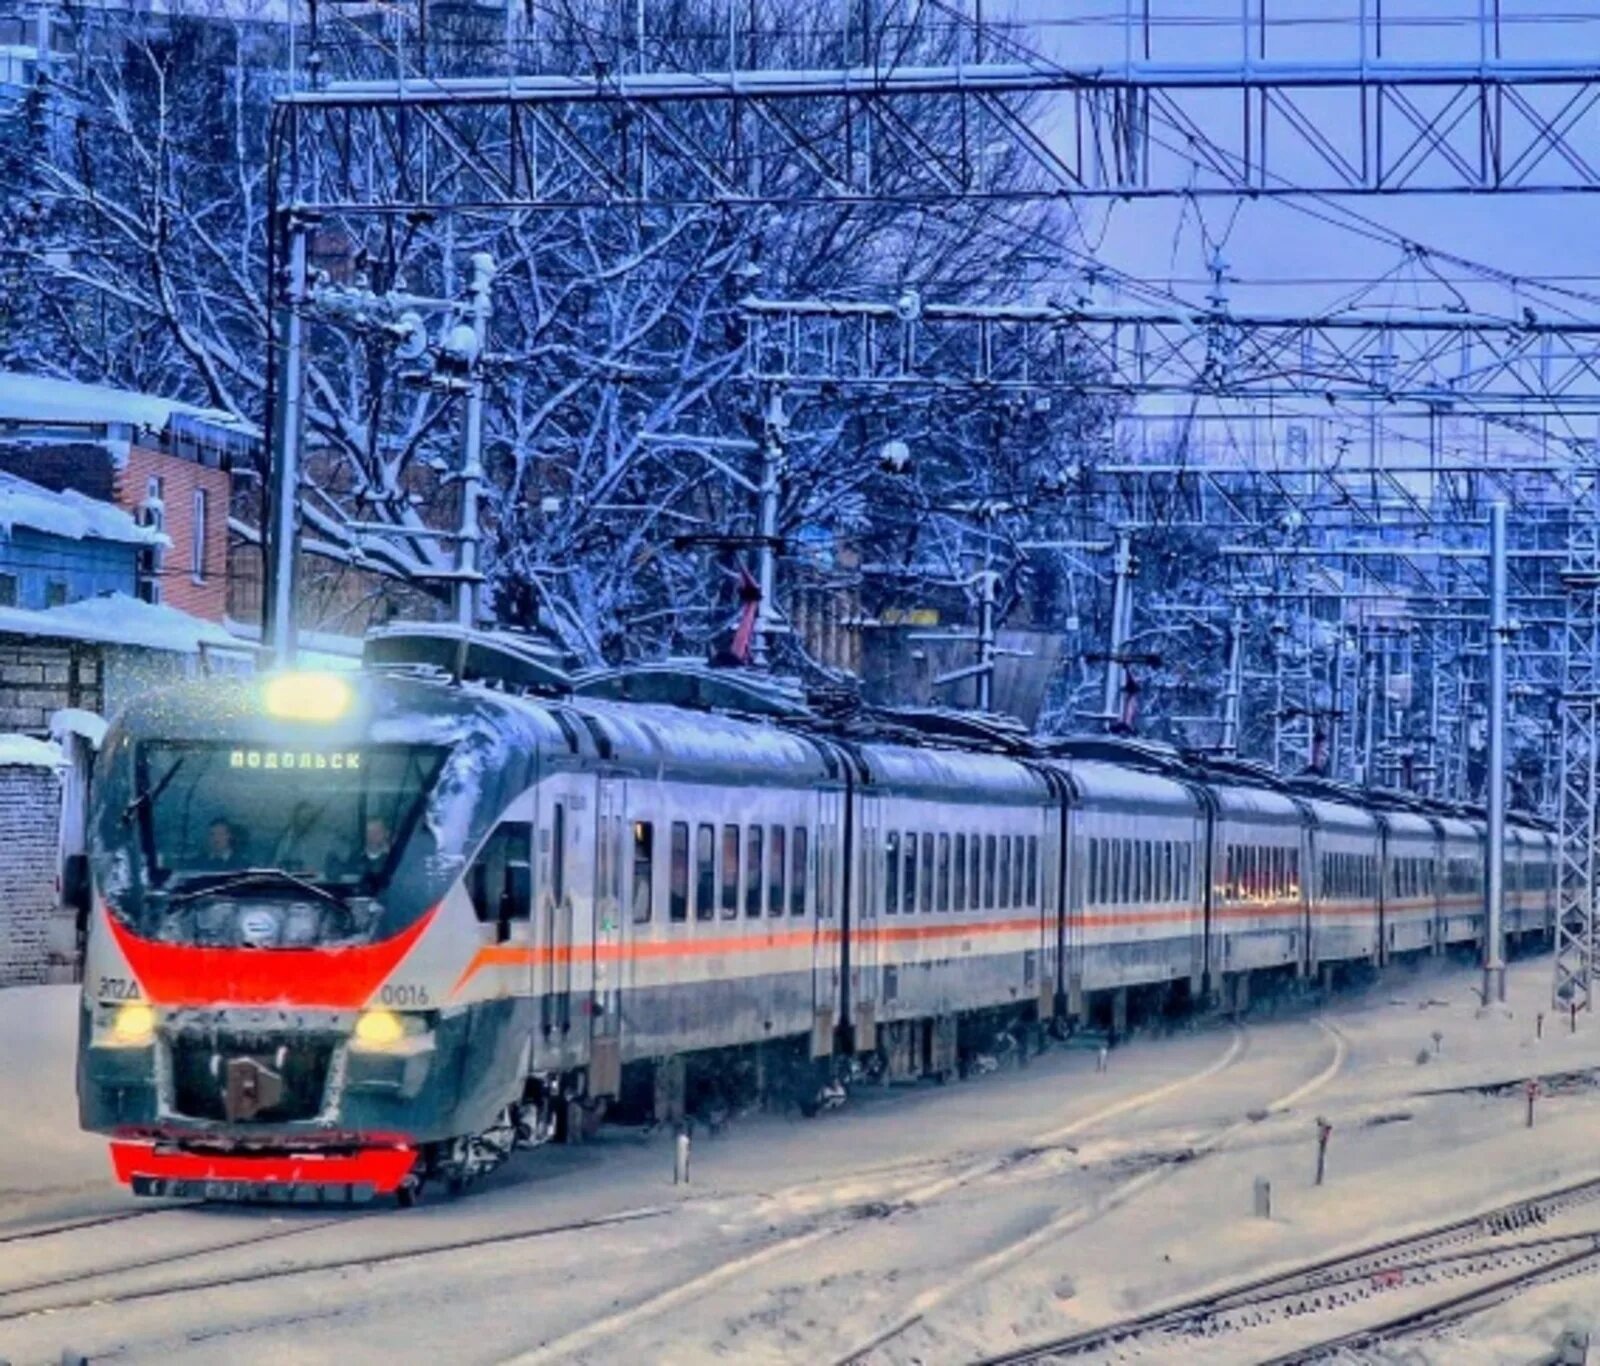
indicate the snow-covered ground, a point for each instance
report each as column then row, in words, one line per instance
column 938, row 1223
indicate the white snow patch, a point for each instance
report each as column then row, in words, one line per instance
column 117, row 619
column 37, row 398
column 23, row 751
column 69, row 514
column 76, row 721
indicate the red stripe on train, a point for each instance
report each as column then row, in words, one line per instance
column 381, row 1168
column 335, row 978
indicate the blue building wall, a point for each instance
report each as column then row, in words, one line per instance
column 80, row 569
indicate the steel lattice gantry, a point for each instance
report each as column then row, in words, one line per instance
column 1130, row 130
column 1580, row 750
column 1436, row 359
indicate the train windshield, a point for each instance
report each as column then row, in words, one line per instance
column 338, row 819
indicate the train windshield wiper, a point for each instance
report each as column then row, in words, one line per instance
column 251, row 877
column 148, row 796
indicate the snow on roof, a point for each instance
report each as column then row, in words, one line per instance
column 38, row 398
column 69, row 513
column 76, row 721
column 117, row 619
column 23, row 751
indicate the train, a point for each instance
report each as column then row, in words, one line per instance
column 352, row 932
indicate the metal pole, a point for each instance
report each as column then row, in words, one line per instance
column 284, row 475
column 1494, row 967
column 773, row 424
column 1369, row 718
column 986, row 652
column 1122, row 569
column 469, row 584
column 1280, row 630
column 1230, row 698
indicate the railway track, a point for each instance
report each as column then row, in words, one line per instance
column 23, row 1301
column 1478, row 1261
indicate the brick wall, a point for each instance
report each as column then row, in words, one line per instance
column 38, row 677
column 83, row 466
column 180, row 480
column 30, row 815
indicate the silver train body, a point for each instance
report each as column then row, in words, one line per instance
column 619, row 882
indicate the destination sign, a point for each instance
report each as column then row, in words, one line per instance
column 298, row 760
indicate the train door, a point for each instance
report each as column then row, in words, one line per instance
column 608, row 937
column 554, row 964
column 866, row 907
column 827, row 897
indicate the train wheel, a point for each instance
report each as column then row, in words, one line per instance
column 409, row 1192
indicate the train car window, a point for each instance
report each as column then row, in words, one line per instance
column 678, row 873
column 942, row 901
column 644, row 869
column 974, row 872
column 1147, row 871
column 1018, row 859
column 602, row 858
column 927, row 873
column 777, row 855
column 558, row 852
column 1091, row 891
column 989, row 860
column 752, row 871
column 960, row 893
column 891, row 872
column 908, row 868
column 730, row 871
column 500, row 881
column 1003, row 874
column 1185, row 857
column 1033, row 870
column 705, row 872
column 1294, row 872
column 797, row 875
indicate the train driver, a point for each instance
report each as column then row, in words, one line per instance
column 373, row 857
column 222, row 846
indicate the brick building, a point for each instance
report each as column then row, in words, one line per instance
column 30, row 806
column 94, row 655
column 167, row 464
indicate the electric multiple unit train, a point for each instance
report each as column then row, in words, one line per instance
column 352, row 931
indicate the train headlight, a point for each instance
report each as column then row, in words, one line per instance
column 302, row 696
column 379, row 1029
column 134, row 1023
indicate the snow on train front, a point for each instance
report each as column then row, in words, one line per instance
column 278, row 922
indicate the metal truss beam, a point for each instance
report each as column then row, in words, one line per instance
column 1433, row 360
column 1580, row 753
column 777, row 136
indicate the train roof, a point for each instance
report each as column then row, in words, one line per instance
column 1276, row 807
column 665, row 740
column 1099, row 781
column 951, row 774
column 382, row 709
column 1342, row 817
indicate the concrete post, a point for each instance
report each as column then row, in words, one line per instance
column 1122, row 571
column 283, row 528
column 469, row 591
